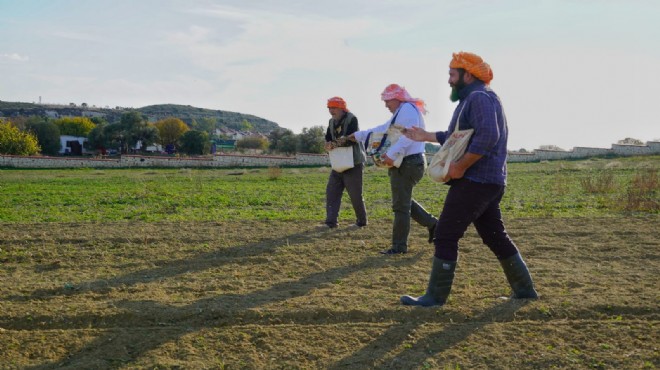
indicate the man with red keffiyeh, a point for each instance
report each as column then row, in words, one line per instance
column 407, row 112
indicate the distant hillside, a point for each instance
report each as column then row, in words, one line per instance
column 186, row 113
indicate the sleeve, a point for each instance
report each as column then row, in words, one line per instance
column 408, row 117
column 362, row 135
column 441, row 136
column 483, row 117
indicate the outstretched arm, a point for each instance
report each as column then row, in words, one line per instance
column 419, row 134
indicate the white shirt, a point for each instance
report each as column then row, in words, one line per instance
column 407, row 115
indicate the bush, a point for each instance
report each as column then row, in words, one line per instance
column 642, row 194
column 252, row 142
column 195, row 142
column 274, row 173
column 602, row 182
column 16, row 142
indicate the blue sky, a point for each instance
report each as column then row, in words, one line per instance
column 569, row 72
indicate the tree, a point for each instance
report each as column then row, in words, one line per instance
column 551, row 147
column 246, row 126
column 97, row 139
column 630, row 141
column 74, row 126
column 132, row 127
column 98, row 120
column 311, row 140
column 282, row 140
column 195, row 142
column 16, row 142
column 48, row 136
column 170, row 130
column 252, row 142
column 206, row 124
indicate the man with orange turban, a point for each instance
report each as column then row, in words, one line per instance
column 478, row 181
column 341, row 124
column 406, row 112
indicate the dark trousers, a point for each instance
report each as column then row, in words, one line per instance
column 351, row 180
column 402, row 182
column 470, row 202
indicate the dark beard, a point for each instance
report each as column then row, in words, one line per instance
column 454, row 95
column 458, row 86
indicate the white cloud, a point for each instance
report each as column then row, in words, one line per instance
column 14, row 57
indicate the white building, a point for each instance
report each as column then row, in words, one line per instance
column 73, row 145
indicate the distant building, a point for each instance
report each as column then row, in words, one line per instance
column 72, row 145
column 89, row 113
column 225, row 144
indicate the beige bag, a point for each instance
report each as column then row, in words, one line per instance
column 453, row 149
column 378, row 143
column 341, row 158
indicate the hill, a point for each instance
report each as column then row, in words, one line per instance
column 186, row 113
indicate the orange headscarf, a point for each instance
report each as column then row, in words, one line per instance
column 474, row 64
column 337, row 102
column 399, row 93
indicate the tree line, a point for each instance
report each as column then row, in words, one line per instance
column 41, row 135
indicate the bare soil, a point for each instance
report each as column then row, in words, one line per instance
column 271, row 295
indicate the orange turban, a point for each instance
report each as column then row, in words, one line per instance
column 473, row 64
column 337, row 102
column 399, row 93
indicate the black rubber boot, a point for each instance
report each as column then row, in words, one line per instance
column 518, row 276
column 442, row 277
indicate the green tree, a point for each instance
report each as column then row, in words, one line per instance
column 282, row 140
column 252, row 142
column 16, row 142
column 48, row 136
column 206, row 124
column 195, row 142
column 311, row 140
column 97, row 138
column 630, row 141
column 170, row 130
column 98, row 120
column 74, row 126
column 246, row 125
column 131, row 129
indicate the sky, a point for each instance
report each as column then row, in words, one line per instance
column 569, row 72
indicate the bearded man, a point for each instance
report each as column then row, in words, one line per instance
column 478, row 181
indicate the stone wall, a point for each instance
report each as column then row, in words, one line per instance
column 131, row 161
column 651, row 147
column 301, row 159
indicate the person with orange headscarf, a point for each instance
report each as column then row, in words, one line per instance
column 341, row 124
column 406, row 112
column 478, row 181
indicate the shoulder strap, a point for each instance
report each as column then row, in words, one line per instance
column 399, row 110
